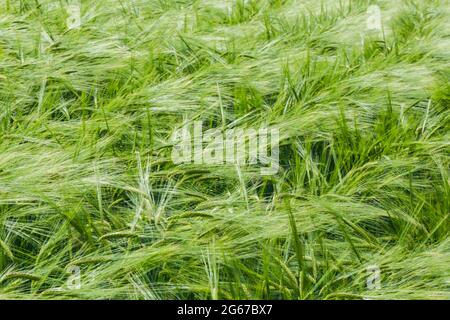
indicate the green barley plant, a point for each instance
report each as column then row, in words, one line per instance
column 91, row 93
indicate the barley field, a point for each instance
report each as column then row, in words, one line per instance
column 93, row 205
